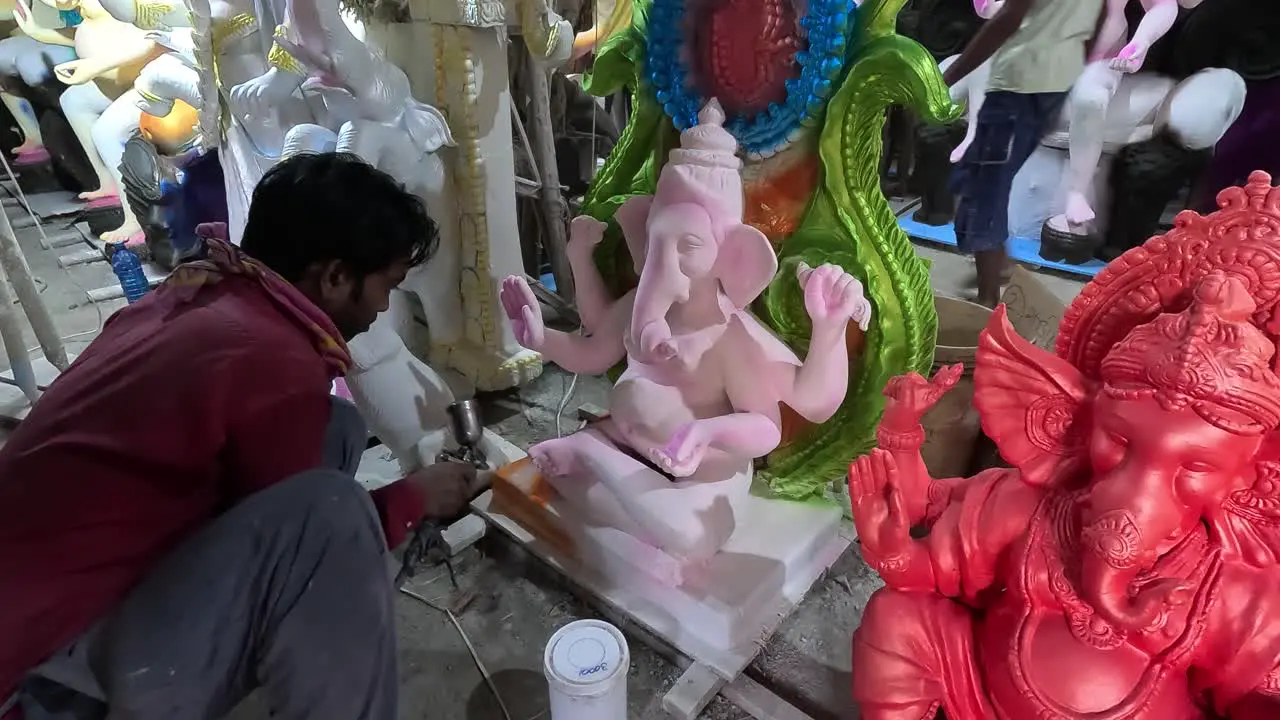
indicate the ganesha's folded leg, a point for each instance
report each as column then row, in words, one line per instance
column 912, row 656
column 689, row 521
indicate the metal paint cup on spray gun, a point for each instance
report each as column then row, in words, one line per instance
column 467, row 429
column 586, row 665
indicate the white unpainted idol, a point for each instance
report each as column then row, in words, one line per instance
column 1196, row 111
column 586, row 665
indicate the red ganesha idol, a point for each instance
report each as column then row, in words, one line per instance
column 1127, row 568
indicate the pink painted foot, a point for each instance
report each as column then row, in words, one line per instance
column 99, row 193
column 341, row 390
column 34, row 156
column 553, row 458
column 100, row 202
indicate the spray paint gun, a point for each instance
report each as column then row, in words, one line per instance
column 431, row 543
column 465, row 425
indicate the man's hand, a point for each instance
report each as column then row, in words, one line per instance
column 447, row 487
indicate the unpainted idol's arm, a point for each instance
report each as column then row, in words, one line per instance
column 36, row 32
column 1110, row 33
column 1155, row 24
column 590, row 293
column 816, row 388
column 591, row 354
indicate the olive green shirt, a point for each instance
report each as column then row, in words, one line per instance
column 1046, row 54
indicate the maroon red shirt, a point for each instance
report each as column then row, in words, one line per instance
column 176, row 412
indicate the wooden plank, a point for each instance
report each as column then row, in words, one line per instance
column 759, row 701
column 81, row 257
column 155, row 276
column 71, row 236
column 692, row 691
column 592, row 412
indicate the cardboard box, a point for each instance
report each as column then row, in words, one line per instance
column 1034, row 311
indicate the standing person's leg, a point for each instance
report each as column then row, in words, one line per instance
column 982, row 215
column 1010, row 127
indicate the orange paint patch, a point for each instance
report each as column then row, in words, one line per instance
column 520, row 493
column 776, row 201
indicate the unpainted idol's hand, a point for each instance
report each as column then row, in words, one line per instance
column 833, row 297
column 684, row 452
column 879, row 512
column 255, row 97
column 585, row 233
column 910, row 396
column 522, row 309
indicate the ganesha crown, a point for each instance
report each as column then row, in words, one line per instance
column 1209, row 357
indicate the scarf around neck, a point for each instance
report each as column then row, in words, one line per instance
column 221, row 259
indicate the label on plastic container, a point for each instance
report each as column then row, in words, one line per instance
column 585, row 654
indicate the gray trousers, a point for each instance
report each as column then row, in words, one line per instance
column 287, row 590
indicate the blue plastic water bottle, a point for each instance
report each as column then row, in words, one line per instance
column 128, row 268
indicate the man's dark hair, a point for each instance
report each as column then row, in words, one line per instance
column 320, row 207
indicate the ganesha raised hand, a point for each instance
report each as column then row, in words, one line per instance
column 909, row 397
column 880, row 514
column 585, row 233
column 522, row 309
column 833, row 297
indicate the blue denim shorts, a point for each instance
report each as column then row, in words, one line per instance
column 1010, row 126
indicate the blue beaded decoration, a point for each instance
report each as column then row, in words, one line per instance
column 827, row 26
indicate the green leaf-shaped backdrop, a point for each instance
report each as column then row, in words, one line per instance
column 847, row 222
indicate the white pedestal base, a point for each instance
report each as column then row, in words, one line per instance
column 721, row 616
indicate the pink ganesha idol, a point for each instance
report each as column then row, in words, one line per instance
column 1126, row 567
column 699, row 399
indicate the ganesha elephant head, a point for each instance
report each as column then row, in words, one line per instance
column 697, row 261
column 1161, row 447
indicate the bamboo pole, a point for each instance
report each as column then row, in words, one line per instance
column 15, row 344
column 24, row 286
column 542, row 140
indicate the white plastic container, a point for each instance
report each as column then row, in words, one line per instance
column 586, row 665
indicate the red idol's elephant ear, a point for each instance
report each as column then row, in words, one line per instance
column 1248, row 527
column 1033, row 405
